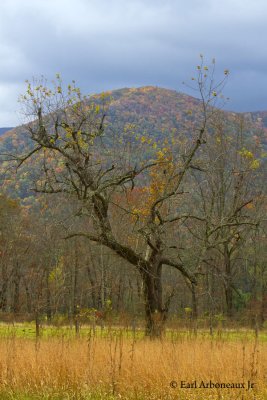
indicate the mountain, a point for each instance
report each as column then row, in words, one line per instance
column 151, row 109
column 155, row 112
column 3, row 130
column 259, row 117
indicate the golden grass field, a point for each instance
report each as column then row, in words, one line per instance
column 117, row 366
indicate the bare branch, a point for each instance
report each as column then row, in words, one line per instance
column 180, row 267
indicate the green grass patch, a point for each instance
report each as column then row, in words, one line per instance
column 27, row 331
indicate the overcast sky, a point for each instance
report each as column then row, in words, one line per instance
column 108, row 44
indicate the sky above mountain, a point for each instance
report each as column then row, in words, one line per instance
column 110, row 44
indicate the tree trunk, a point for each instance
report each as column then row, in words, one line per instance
column 16, row 283
column 229, row 298
column 228, row 283
column 75, row 310
column 37, row 324
column 3, row 292
column 263, row 303
column 120, row 292
column 28, row 297
column 103, row 280
column 194, row 301
column 93, row 286
column 155, row 313
column 48, row 297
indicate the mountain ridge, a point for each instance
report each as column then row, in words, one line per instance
column 3, row 130
column 152, row 112
column 161, row 103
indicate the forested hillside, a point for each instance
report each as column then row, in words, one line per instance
column 3, row 130
column 148, row 112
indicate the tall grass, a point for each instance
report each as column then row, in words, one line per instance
column 119, row 367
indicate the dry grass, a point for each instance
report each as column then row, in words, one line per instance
column 119, row 367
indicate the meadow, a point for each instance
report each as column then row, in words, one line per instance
column 117, row 363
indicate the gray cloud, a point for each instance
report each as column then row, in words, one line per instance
column 117, row 43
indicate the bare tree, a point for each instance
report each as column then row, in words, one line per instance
column 226, row 192
column 73, row 151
